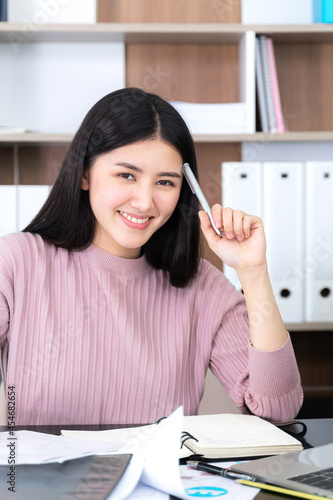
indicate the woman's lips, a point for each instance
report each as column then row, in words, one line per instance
column 135, row 222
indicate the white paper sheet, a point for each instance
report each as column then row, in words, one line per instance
column 36, row 448
column 142, row 491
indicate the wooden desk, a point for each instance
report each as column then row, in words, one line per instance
column 319, row 432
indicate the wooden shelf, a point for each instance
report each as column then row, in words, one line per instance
column 309, row 327
column 267, row 137
column 123, row 32
column 30, row 138
column 296, row 32
column 159, row 32
column 34, row 138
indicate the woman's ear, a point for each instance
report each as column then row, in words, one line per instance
column 85, row 180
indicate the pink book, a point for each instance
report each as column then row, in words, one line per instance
column 280, row 124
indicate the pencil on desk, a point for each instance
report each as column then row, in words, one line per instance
column 278, row 489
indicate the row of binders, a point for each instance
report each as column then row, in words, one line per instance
column 267, row 87
column 295, row 202
column 19, row 205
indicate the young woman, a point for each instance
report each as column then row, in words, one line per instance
column 107, row 313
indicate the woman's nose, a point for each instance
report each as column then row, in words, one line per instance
column 142, row 198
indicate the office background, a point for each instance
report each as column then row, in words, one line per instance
column 53, row 73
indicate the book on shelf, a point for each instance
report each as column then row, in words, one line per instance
column 267, row 87
column 267, row 84
column 322, row 11
column 213, row 436
column 3, row 10
column 279, row 121
column 260, row 92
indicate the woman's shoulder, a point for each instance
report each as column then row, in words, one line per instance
column 23, row 247
column 20, row 241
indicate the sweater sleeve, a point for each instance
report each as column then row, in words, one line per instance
column 6, row 291
column 264, row 383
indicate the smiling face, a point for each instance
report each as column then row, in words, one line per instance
column 133, row 191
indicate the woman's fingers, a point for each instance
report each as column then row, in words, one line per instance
column 235, row 223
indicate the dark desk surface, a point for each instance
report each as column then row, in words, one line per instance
column 319, row 432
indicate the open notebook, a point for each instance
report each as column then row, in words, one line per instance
column 232, row 436
column 213, row 436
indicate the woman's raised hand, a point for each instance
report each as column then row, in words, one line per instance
column 243, row 242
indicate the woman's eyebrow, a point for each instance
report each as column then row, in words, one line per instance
column 137, row 169
column 128, row 165
column 169, row 174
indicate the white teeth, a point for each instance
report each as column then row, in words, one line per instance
column 133, row 219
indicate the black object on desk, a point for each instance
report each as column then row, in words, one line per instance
column 93, row 477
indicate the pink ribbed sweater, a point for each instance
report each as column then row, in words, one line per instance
column 90, row 338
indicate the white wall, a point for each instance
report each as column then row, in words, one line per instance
column 215, row 400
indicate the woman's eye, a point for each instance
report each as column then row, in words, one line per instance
column 166, row 183
column 126, row 175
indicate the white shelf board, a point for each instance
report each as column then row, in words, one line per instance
column 308, row 136
column 315, row 32
column 37, row 138
column 309, row 327
column 267, row 137
column 159, row 32
column 122, row 32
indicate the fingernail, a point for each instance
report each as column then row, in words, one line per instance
column 230, row 235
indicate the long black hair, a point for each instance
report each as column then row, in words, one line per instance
column 120, row 118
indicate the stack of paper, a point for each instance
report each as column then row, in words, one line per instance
column 225, row 118
column 281, row 12
column 12, row 130
column 32, row 12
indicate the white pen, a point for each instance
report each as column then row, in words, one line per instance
column 196, row 189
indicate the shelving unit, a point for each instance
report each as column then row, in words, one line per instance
column 180, row 51
column 198, row 62
column 196, row 35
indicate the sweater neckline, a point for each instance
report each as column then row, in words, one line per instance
column 105, row 260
